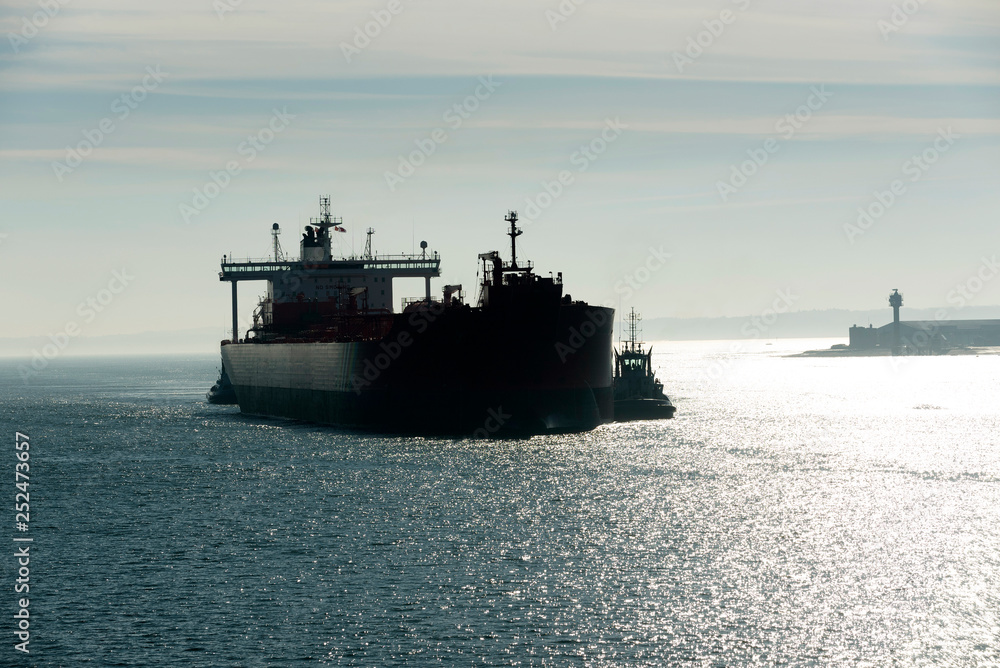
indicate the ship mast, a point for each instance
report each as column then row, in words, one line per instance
column 368, row 243
column 325, row 219
column 275, row 231
column 324, row 223
column 514, row 233
column 633, row 326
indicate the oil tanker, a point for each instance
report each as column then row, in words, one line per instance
column 326, row 345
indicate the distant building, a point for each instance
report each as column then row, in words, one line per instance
column 864, row 338
column 924, row 337
column 921, row 335
column 928, row 336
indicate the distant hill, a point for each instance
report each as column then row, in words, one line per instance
column 797, row 325
column 186, row 341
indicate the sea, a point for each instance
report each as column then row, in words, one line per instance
column 799, row 511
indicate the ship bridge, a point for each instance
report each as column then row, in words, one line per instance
column 288, row 281
column 319, row 277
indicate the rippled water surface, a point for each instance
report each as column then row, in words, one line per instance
column 798, row 511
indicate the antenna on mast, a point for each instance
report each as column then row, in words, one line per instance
column 275, row 231
column 324, row 211
column 368, row 243
column 514, row 233
column 633, row 327
column 325, row 222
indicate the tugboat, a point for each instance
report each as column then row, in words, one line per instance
column 638, row 394
column 222, row 392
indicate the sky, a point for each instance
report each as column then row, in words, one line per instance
column 686, row 159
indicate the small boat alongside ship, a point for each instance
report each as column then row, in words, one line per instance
column 222, row 392
column 638, row 393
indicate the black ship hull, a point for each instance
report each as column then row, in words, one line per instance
column 435, row 413
column 629, row 410
column 454, row 371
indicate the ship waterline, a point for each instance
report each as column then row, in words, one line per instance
column 438, row 384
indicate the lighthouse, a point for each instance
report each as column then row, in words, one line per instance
column 895, row 301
